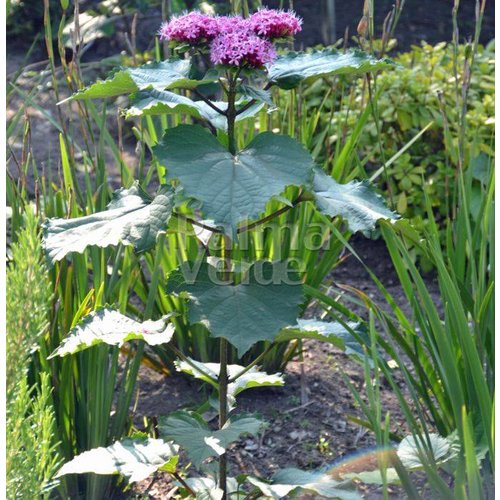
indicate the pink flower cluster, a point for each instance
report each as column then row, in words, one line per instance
column 233, row 40
column 193, row 28
column 274, row 24
column 240, row 47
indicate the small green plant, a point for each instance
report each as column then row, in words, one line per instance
column 33, row 455
column 217, row 186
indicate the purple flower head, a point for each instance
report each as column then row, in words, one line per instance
column 273, row 24
column 230, row 24
column 193, row 28
column 241, row 46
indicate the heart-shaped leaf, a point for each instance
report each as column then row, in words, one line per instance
column 292, row 482
column 135, row 459
column 113, row 328
column 328, row 331
column 158, row 102
column 232, row 188
column 192, row 433
column 131, row 218
column 293, row 68
column 356, row 202
column 250, row 379
column 244, row 314
column 170, row 74
column 413, row 454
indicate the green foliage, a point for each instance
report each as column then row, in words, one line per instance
column 132, row 218
column 244, row 313
column 28, row 300
column 32, row 453
column 134, row 458
column 424, row 90
column 293, row 68
column 232, row 189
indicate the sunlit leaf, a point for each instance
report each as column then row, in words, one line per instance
column 113, row 328
column 245, row 313
column 356, row 202
column 292, row 482
column 413, row 453
column 170, row 74
column 206, row 488
column 132, row 218
column 293, row 68
column 135, row 459
column 250, row 379
column 327, row 331
column 232, row 188
column 192, row 433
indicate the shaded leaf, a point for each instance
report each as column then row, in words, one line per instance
column 293, row 68
column 232, row 188
column 113, row 328
column 257, row 94
column 192, row 433
column 170, row 74
column 292, row 482
column 135, row 459
column 131, row 218
column 157, row 102
column 245, row 313
column 356, row 202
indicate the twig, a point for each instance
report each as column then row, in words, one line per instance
column 209, row 102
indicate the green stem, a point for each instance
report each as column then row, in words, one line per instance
column 256, row 361
column 223, row 384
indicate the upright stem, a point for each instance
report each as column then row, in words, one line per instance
column 223, row 383
column 223, row 375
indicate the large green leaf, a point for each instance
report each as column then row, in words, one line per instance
column 250, row 379
column 356, row 202
column 245, row 313
column 292, row 482
column 332, row 332
column 170, row 74
column 232, row 188
column 192, row 433
column 135, row 459
column 131, row 218
column 113, row 328
column 158, row 102
column 293, row 68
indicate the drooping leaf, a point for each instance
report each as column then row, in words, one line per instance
column 250, row 379
column 192, row 433
column 292, row 482
column 356, row 202
column 232, row 188
column 135, row 459
column 170, row 74
column 245, row 313
column 327, row 331
column 293, row 68
column 131, row 218
column 113, row 328
column 157, row 102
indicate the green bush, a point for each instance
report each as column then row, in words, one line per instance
column 424, row 90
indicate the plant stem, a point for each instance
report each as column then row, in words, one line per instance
column 256, row 361
column 223, row 383
column 223, row 378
